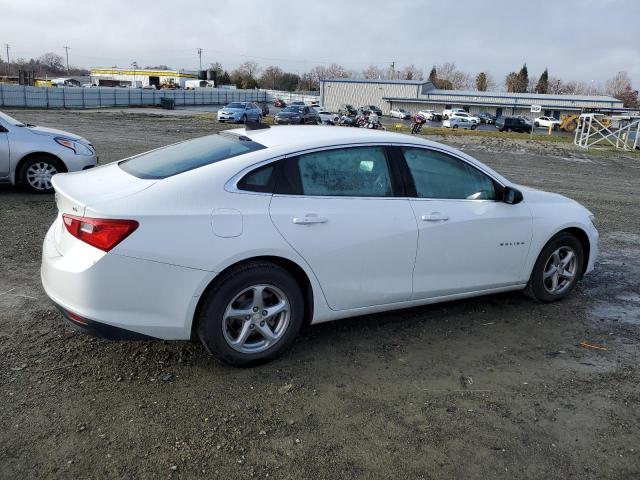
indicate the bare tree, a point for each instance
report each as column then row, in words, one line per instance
column 249, row 69
column 271, row 77
column 373, row 72
column 411, row 72
column 620, row 87
column 52, row 61
column 450, row 76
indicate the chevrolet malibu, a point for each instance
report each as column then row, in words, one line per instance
column 242, row 237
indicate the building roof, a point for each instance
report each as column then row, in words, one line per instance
column 373, row 80
column 539, row 96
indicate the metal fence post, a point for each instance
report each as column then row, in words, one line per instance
column 99, row 96
column 24, row 94
column 1, row 95
column 64, row 97
column 84, row 105
column 46, row 95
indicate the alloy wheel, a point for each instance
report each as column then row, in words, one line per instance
column 560, row 270
column 39, row 175
column 256, row 318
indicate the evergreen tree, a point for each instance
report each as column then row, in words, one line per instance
column 523, row 79
column 481, row 82
column 543, row 82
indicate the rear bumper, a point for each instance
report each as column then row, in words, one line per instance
column 118, row 296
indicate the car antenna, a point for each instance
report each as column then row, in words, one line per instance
column 251, row 125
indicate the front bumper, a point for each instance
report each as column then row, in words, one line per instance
column 229, row 117
column 113, row 293
column 287, row 121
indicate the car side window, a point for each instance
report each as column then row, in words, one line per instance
column 438, row 175
column 354, row 172
column 259, row 180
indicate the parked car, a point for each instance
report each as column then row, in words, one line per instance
column 298, row 103
column 471, row 118
column 547, row 122
column 459, row 122
column 431, row 115
column 447, row 112
column 240, row 112
column 513, row 124
column 399, row 113
column 30, row 156
column 297, row 114
column 314, row 103
column 346, row 109
column 371, row 108
column 283, row 225
column 327, row 117
column 487, row 118
column 265, row 109
column 279, row 103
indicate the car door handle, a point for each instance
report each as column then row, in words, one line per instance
column 309, row 220
column 435, row 217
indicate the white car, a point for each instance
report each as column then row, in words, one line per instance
column 428, row 114
column 547, row 122
column 241, row 237
column 447, row 112
column 31, row 155
column 399, row 113
column 459, row 122
column 465, row 115
column 327, row 117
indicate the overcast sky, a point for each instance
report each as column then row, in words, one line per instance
column 577, row 40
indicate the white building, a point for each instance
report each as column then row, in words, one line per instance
column 415, row 95
column 123, row 77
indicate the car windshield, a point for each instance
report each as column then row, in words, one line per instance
column 185, row 156
column 235, row 105
column 292, row 109
column 10, row 120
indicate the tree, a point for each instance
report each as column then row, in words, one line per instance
column 481, row 82
column 224, row 79
column 511, row 82
column 543, row 83
column 289, row 82
column 271, row 78
column 52, row 61
column 450, row 78
column 433, row 76
column 620, row 87
column 523, row 79
column 411, row 72
column 158, row 67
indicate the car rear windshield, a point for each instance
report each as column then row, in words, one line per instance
column 182, row 157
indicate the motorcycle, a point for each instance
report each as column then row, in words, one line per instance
column 417, row 123
column 373, row 121
column 347, row 121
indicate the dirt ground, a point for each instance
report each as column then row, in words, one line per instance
column 494, row 387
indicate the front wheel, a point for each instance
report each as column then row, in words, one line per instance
column 251, row 314
column 244, row 119
column 455, row 126
column 36, row 173
column 473, row 127
column 557, row 269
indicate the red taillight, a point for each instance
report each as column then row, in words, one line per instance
column 101, row 233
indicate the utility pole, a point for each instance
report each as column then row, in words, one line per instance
column 67, row 51
column 6, row 45
column 393, row 70
column 200, row 56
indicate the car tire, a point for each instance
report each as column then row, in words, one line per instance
column 36, row 172
column 537, row 124
column 455, row 126
column 244, row 119
column 546, row 284
column 216, row 329
column 473, row 127
column 259, row 118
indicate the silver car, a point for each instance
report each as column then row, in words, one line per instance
column 31, row 155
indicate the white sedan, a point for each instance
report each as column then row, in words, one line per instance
column 242, row 237
column 547, row 122
column 400, row 113
column 465, row 115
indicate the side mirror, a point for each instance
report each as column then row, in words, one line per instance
column 2, row 129
column 511, row 195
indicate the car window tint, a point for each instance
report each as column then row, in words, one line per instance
column 357, row 172
column 259, row 180
column 188, row 155
column 438, row 175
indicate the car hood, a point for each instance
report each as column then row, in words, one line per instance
column 52, row 132
column 232, row 110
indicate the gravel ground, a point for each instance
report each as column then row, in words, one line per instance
column 493, row 387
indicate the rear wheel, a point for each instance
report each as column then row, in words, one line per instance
column 557, row 269
column 251, row 314
column 244, row 119
column 35, row 174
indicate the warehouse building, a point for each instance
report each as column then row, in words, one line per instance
column 122, row 77
column 415, row 95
